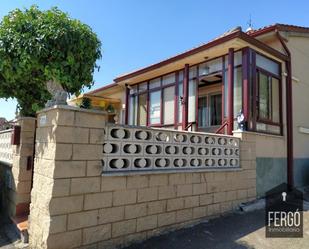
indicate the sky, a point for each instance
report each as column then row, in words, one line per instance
column 136, row 33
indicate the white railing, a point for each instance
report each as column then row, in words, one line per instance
column 129, row 149
column 6, row 149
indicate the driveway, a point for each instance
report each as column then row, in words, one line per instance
column 234, row 231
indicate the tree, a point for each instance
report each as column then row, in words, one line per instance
column 37, row 46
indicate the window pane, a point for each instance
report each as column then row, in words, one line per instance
column 142, row 108
column 168, row 79
column 225, row 93
column 180, row 76
column 191, row 101
column 215, row 109
column 155, row 83
column 275, row 101
column 155, row 106
column 133, row 89
column 142, row 87
column 132, row 111
column 203, row 115
column 210, row 66
column 192, row 72
column 267, row 64
column 180, row 95
column 263, row 96
column 237, row 59
column 237, row 90
column 168, row 100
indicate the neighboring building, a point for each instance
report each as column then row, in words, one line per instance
column 261, row 72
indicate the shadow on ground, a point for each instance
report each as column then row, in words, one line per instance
column 219, row 233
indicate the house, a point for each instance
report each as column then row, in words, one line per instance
column 152, row 160
column 258, row 73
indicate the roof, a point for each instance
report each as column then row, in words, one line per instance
column 108, row 86
column 231, row 34
column 234, row 33
column 279, row 27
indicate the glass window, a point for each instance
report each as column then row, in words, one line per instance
column 168, row 100
column 268, row 98
column 203, row 112
column 237, row 90
column 225, row 93
column 133, row 110
column 142, row 108
column 155, row 83
column 191, row 100
column 142, row 87
column 275, row 100
column 267, row 64
column 215, row 109
column 192, row 72
column 155, row 107
column 180, row 95
column 133, row 89
column 264, row 97
column 237, row 59
column 210, row 66
column 168, row 79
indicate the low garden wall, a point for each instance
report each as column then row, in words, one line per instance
column 16, row 162
column 101, row 186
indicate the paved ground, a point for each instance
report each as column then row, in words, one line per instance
column 235, row 231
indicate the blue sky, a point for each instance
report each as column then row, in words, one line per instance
column 137, row 33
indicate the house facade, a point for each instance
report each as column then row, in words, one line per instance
column 260, row 74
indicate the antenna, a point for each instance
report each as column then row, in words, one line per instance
column 250, row 28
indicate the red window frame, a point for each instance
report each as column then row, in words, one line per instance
column 148, row 92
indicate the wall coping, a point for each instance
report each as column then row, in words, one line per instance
column 25, row 118
column 258, row 134
column 72, row 108
column 170, row 171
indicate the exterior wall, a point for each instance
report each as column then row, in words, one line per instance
column 17, row 178
column 299, row 49
column 74, row 206
column 271, row 163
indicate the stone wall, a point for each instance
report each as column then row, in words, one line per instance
column 74, row 206
column 18, row 175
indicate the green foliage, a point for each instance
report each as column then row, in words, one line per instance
column 38, row 46
column 86, row 103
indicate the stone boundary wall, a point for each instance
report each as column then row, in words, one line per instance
column 74, row 206
column 18, row 175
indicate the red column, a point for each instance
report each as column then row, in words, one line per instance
column 230, row 91
column 245, row 83
column 126, row 120
column 185, row 98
